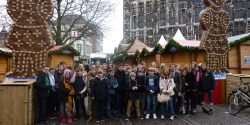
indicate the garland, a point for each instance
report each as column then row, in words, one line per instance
column 238, row 42
column 9, row 54
column 66, row 47
column 173, row 43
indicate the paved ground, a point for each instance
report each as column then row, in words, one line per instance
column 220, row 117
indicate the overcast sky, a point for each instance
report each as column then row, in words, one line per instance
column 114, row 35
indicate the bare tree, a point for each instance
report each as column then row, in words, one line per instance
column 87, row 17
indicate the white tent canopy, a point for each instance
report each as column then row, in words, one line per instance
column 178, row 36
column 162, row 41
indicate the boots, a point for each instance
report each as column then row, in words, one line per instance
column 62, row 118
column 69, row 118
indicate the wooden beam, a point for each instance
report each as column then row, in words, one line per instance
column 239, row 59
column 239, row 68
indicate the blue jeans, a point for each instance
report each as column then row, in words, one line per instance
column 110, row 101
column 151, row 104
column 142, row 100
column 171, row 106
column 163, row 108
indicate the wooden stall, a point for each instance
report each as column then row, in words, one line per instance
column 62, row 53
column 239, row 58
column 18, row 103
column 5, row 61
column 183, row 57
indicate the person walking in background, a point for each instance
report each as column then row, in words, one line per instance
column 167, row 86
column 43, row 87
column 152, row 87
column 206, row 86
column 99, row 91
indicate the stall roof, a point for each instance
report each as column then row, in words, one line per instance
column 162, row 41
column 178, row 36
column 137, row 45
column 67, row 50
column 234, row 38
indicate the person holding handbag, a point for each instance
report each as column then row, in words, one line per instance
column 166, row 95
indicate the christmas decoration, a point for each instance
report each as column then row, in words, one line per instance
column 29, row 37
column 214, row 23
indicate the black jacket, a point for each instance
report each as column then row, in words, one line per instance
column 207, row 82
column 120, row 77
column 40, row 85
column 178, row 82
column 62, row 92
column 141, row 83
column 79, row 85
column 99, row 89
column 58, row 77
column 190, row 80
column 132, row 94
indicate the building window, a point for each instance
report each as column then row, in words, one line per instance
column 149, row 6
column 79, row 47
column 141, row 8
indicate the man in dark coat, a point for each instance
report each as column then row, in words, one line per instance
column 99, row 95
column 43, row 86
column 120, row 77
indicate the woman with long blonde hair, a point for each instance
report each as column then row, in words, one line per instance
column 167, row 87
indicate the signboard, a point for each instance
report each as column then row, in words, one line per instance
column 220, row 76
column 74, row 34
column 246, row 59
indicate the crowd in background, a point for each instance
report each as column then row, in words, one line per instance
column 103, row 91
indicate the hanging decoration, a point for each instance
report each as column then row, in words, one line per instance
column 214, row 22
column 29, row 37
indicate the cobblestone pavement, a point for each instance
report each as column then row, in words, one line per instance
column 220, row 117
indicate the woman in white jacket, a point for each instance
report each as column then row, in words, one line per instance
column 167, row 87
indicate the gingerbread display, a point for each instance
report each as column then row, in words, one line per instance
column 29, row 37
column 214, row 22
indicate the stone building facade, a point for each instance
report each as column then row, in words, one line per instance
column 147, row 20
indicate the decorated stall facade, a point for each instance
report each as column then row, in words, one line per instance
column 239, row 55
column 5, row 60
column 62, row 53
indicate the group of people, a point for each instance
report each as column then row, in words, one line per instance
column 102, row 91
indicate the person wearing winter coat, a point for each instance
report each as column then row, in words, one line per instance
column 99, row 92
column 179, row 98
column 90, row 79
column 43, row 87
column 80, row 92
column 206, row 86
column 152, row 88
column 133, row 96
column 65, row 96
column 142, row 91
column 191, row 89
column 120, row 77
column 112, row 85
column 167, row 86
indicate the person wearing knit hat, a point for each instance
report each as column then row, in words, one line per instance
column 133, row 96
column 65, row 93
